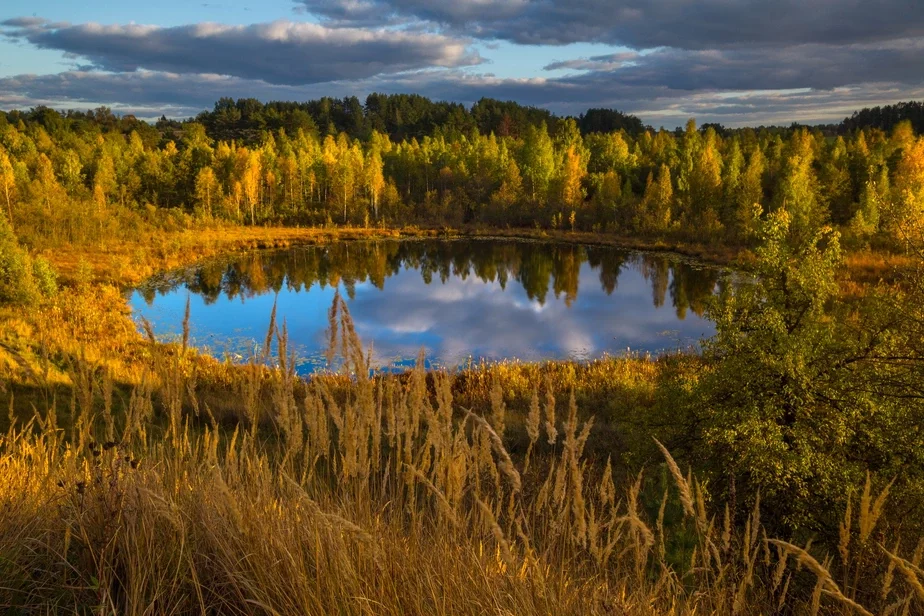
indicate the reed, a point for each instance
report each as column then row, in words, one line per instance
column 354, row 493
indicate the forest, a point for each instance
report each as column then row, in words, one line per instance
column 78, row 177
column 778, row 469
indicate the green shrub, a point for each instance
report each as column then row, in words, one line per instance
column 809, row 394
column 22, row 279
column 46, row 279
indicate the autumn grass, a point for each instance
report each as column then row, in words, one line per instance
column 129, row 262
column 394, row 495
column 90, row 325
column 141, row 477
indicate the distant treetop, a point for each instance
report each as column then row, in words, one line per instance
column 407, row 116
column 609, row 120
column 886, row 117
column 401, row 116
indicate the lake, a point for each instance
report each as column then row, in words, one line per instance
column 460, row 300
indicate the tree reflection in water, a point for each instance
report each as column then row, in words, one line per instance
column 482, row 298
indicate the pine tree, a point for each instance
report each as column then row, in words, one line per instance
column 104, row 180
column 731, row 180
column 902, row 137
column 865, row 222
column 608, row 199
column 705, row 186
column 835, row 181
column 510, row 190
column 250, row 178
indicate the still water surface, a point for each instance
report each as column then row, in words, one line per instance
column 460, row 300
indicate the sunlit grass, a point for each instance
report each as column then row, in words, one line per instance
column 142, row 490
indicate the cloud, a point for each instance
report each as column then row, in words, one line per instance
column 665, row 72
column 280, row 52
column 803, row 66
column 150, row 94
column 449, row 317
column 719, row 60
column 461, row 13
column 24, row 22
column 703, row 24
column 595, row 63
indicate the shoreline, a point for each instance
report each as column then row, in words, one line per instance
column 126, row 264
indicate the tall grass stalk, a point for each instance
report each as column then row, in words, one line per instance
column 356, row 493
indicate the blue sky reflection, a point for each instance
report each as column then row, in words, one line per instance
column 457, row 315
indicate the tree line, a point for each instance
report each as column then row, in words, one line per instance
column 83, row 176
column 886, row 117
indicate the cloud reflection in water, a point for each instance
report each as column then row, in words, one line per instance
column 484, row 300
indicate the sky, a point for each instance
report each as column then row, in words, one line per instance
column 736, row 62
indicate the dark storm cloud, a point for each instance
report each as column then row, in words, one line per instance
column 686, row 24
column 281, row 52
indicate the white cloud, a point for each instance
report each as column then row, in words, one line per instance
column 281, row 52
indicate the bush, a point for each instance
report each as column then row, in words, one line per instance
column 22, row 279
column 46, row 279
column 807, row 394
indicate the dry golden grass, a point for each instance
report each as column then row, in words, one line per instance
column 138, row 477
column 128, row 262
column 358, row 495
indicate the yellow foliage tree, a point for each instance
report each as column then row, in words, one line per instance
column 375, row 179
column 909, row 188
column 207, row 188
column 250, row 181
column 7, row 182
column 572, row 173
